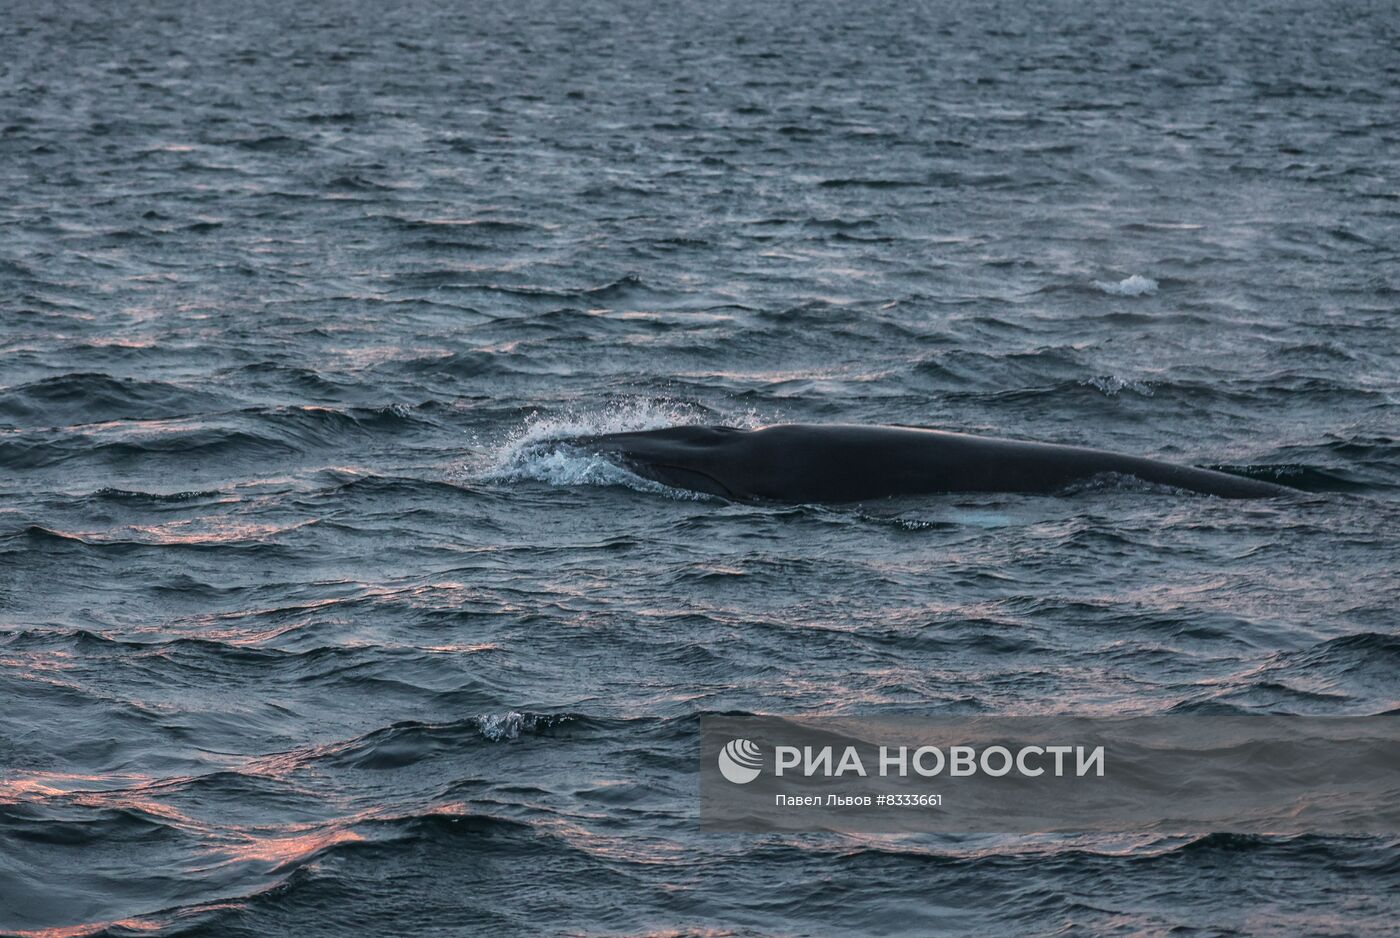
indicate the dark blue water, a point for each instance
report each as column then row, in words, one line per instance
column 309, row 629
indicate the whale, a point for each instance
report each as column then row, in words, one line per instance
column 833, row 463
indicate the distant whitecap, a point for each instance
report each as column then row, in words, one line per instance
column 1136, row 285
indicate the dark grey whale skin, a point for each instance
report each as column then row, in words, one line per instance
column 848, row 463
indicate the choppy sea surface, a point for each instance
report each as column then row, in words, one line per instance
column 310, row 628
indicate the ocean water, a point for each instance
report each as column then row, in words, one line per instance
column 307, row 625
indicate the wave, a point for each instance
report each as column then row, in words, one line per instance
column 1352, row 674
column 856, row 182
column 153, row 499
column 239, row 867
column 279, row 377
column 242, row 435
column 482, row 225
column 89, row 397
column 626, row 287
column 280, row 143
column 472, row 363
column 334, row 117
column 1357, row 667
column 372, row 487
column 1001, row 373
column 452, row 244
column 185, row 445
column 256, row 544
column 411, row 741
column 1046, row 376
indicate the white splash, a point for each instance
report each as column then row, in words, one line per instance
column 1136, row 285
column 541, row 449
column 1112, row 384
column 499, row 726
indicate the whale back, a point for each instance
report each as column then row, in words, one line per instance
column 845, row 463
column 690, row 457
